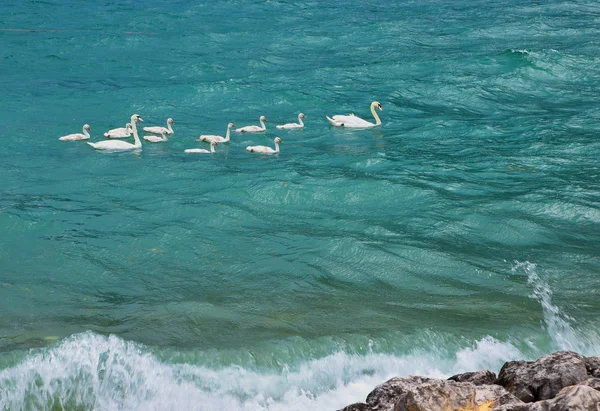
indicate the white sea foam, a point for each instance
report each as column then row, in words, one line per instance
column 107, row 373
column 556, row 322
column 92, row 371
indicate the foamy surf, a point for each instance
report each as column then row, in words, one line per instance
column 92, row 371
column 105, row 373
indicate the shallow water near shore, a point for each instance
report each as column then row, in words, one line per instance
column 461, row 233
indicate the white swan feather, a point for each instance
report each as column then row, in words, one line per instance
column 254, row 129
column 77, row 136
column 219, row 139
column 265, row 149
column 351, row 121
column 202, row 150
column 290, row 126
column 118, row 145
column 155, row 139
column 121, row 132
column 161, row 130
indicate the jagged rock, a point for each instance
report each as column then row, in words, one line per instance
column 592, row 364
column 574, row 398
column 483, row 377
column 438, row 395
column 544, row 378
column 359, row 406
column 592, row 383
column 426, row 394
column 385, row 395
column 495, row 393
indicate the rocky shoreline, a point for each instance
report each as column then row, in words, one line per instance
column 561, row 381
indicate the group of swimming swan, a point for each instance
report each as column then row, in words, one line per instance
column 159, row 134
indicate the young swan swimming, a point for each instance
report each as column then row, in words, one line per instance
column 254, row 129
column 156, row 139
column 77, row 136
column 218, row 139
column 265, row 149
column 161, row 130
column 300, row 124
column 352, row 121
column 118, row 145
column 202, row 150
column 121, row 132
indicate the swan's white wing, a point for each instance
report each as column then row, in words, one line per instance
column 74, row 137
column 118, row 133
column 260, row 149
column 289, row 125
column 156, row 130
column 211, row 138
column 196, row 150
column 112, row 145
column 117, row 130
column 352, row 121
column 249, row 129
column 154, row 139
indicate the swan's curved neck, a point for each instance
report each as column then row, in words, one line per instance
column 227, row 134
column 138, row 143
column 262, row 124
column 300, row 121
column 277, row 147
column 86, row 132
column 377, row 120
column 212, row 146
column 169, row 128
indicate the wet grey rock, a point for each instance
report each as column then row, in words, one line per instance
column 437, row 395
column 385, row 396
column 482, row 377
column 573, row 398
column 544, row 378
column 426, row 394
column 495, row 393
column 562, row 381
column 359, row 406
column 592, row 364
column 592, row 383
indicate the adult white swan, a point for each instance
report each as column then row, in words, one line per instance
column 118, row 145
column 356, row 122
column 299, row 124
column 77, row 136
column 218, row 139
column 202, row 150
column 161, row 130
column 120, row 132
column 254, row 129
column 265, row 149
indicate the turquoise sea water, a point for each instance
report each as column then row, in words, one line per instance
column 461, row 233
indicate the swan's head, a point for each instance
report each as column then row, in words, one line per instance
column 214, row 143
column 135, row 118
column 377, row 104
column 230, row 125
column 301, row 115
column 278, row 140
column 170, row 121
column 87, row 127
column 263, row 118
column 128, row 126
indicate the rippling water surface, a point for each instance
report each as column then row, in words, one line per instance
column 461, row 233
